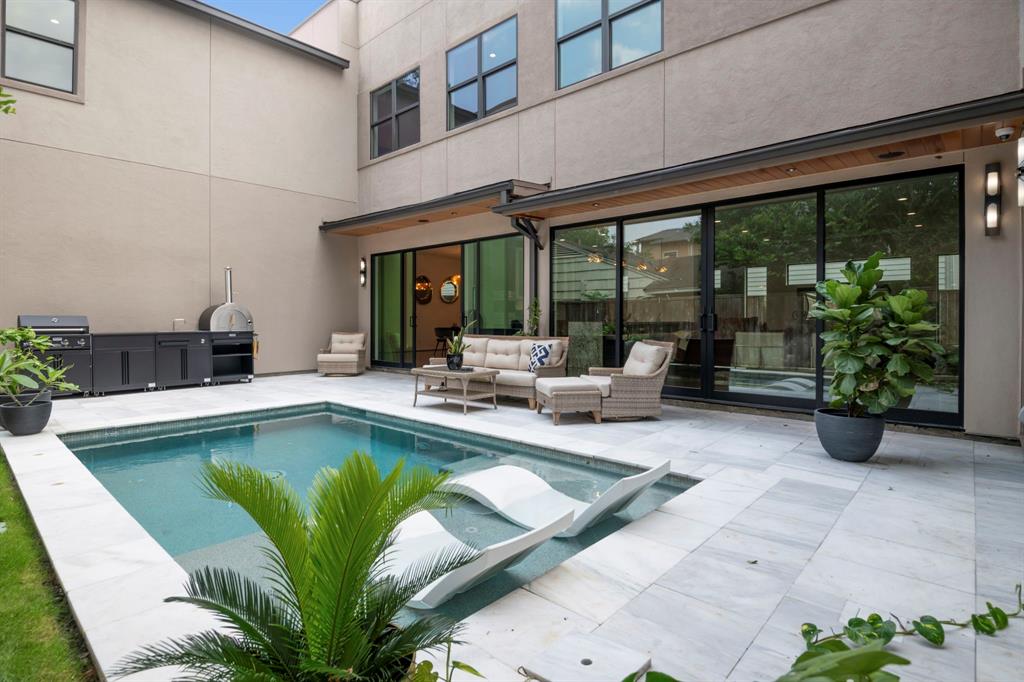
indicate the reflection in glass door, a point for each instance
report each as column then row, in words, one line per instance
column 494, row 285
column 764, row 344
column 661, row 290
column 392, row 337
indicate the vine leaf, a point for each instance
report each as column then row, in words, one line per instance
column 999, row 617
column 982, row 624
column 931, row 629
column 809, row 631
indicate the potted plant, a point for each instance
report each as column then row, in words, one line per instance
column 327, row 611
column 456, row 347
column 27, row 380
column 532, row 327
column 879, row 347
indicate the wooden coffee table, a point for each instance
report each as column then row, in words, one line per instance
column 451, row 381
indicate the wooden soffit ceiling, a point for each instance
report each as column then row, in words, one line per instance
column 926, row 145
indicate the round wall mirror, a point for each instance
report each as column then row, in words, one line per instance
column 424, row 289
column 450, row 290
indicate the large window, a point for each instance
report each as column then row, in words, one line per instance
column 594, row 36
column 395, row 115
column 731, row 285
column 39, row 43
column 583, row 291
column 915, row 223
column 482, row 75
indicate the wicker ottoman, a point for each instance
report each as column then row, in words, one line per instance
column 568, row 394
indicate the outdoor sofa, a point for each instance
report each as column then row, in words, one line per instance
column 510, row 355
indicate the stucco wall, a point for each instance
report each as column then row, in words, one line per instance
column 733, row 75
column 197, row 146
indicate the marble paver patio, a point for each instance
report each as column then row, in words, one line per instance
column 713, row 586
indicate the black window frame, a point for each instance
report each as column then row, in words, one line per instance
column 73, row 46
column 375, row 123
column 915, row 417
column 481, row 76
column 605, row 24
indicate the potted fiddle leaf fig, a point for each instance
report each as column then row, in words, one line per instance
column 27, row 380
column 879, row 347
column 456, row 347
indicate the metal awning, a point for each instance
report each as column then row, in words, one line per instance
column 469, row 202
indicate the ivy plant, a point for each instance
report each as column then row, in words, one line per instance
column 857, row 653
column 878, row 345
column 6, row 102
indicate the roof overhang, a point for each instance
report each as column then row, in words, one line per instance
column 460, row 204
column 259, row 31
column 953, row 128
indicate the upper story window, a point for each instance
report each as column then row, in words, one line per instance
column 39, row 42
column 594, row 36
column 395, row 115
column 482, row 75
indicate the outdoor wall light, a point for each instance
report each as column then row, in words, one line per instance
column 1020, row 171
column 993, row 199
column 362, row 272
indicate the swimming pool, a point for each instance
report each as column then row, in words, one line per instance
column 152, row 471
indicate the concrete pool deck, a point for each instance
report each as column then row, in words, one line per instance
column 930, row 525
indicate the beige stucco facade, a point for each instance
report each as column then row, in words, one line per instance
column 732, row 76
column 210, row 146
column 196, row 146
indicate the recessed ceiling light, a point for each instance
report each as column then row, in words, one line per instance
column 595, row 204
column 911, row 213
column 492, row 55
column 791, row 170
column 54, row 21
column 902, row 199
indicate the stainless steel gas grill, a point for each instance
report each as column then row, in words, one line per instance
column 71, row 345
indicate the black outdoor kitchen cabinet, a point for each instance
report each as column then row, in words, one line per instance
column 183, row 359
column 232, row 356
column 123, row 362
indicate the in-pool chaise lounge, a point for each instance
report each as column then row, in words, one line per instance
column 525, row 498
column 422, row 534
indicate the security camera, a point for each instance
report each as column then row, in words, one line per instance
column 1004, row 134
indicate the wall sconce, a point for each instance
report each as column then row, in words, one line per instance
column 1020, row 171
column 993, row 199
column 362, row 272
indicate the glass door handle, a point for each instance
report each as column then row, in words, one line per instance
column 704, row 318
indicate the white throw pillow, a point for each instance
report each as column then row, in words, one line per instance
column 644, row 359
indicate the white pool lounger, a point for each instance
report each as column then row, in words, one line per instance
column 526, row 499
column 422, row 534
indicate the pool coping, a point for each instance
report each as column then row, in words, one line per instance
column 114, row 574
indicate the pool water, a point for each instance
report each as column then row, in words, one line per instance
column 153, row 473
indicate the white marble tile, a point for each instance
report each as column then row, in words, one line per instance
column 585, row 658
column 671, row 530
column 110, row 561
column 126, row 595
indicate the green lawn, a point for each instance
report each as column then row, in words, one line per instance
column 38, row 637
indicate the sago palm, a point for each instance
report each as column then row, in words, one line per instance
column 328, row 609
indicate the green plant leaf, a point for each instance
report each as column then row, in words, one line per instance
column 654, row 676
column 466, row 668
column 982, row 624
column 931, row 629
column 847, row 363
column 999, row 617
column 898, row 365
column 809, row 631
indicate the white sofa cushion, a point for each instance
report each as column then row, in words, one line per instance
column 476, row 351
column 515, row 377
column 604, row 384
column 337, row 357
column 643, row 360
column 504, row 354
column 347, row 343
column 549, row 386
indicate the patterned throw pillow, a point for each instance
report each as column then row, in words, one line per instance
column 539, row 355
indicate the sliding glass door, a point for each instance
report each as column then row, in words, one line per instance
column 730, row 285
column 661, row 290
column 764, row 344
column 494, row 284
column 392, row 325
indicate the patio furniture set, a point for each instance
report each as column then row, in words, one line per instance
column 530, row 367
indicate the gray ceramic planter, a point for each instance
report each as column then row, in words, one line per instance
column 849, row 439
column 24, row 420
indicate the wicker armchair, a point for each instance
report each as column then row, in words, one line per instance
column 634, row 396
column 345, row 356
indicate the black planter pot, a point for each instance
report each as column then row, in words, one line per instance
column 454, row 361
column 24, row 420
column 848, row 439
